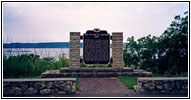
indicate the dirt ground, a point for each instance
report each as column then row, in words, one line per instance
column 107, row 85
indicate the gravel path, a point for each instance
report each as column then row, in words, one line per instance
column 108, row 85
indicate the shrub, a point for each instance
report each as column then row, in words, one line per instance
column 31, row 65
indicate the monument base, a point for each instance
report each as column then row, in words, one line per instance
column 94, row 72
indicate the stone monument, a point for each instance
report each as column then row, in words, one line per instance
column 96, row 51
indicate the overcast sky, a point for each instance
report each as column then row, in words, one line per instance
column 52, row 22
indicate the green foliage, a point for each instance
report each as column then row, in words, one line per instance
column 128, row 81
column 166, row 54
column 132, row 66
column 30, row 65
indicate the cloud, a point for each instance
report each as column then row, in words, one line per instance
column 52, row 22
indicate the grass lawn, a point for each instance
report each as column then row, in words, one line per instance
column 128, row 81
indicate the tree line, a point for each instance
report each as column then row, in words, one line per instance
column 166, row 54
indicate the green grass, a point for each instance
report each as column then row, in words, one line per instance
column 77, row 83
column 128, row 81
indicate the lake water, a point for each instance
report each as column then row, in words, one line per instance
column 43, row 52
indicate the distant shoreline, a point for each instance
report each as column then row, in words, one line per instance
column 42, row 45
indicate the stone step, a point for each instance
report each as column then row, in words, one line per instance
column 57, row 74
column 125, row 69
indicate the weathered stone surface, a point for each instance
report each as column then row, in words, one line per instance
column 49, row 85
column 45, row 91
column 30, row 91
column 162, row 85
column 149, row 86
column 168, row 86
column 24, row 86
column 68, row 89
column 61, row 86
column 39, row 85
column 74, row 55
column 12, row 91
column 61, row 92
column 159, row 85
column 99, row 73
column 117, row 50
column 73, row 88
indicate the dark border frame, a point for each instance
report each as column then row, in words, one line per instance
column 99, row 97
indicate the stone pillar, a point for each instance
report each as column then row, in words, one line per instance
column 74, row 55
column 117, row 49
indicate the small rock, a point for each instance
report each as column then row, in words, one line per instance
column 61, row 86
column 140, row 91
column 68, row 89
column 39, row 85
column 30, row 91
column 24, row 86
column 61, row 92
column 167, row 86
column 49, row 85
column 73, row 88
column 159, row 85
column 56, row 89
column 149, row 86
column 45, row 91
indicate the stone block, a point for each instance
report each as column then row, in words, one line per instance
column 30, row 91
column 163, row 85
column 12, row 91
column 74, row 55
column 74, row 33
column 45, row 91
column 117, row 50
